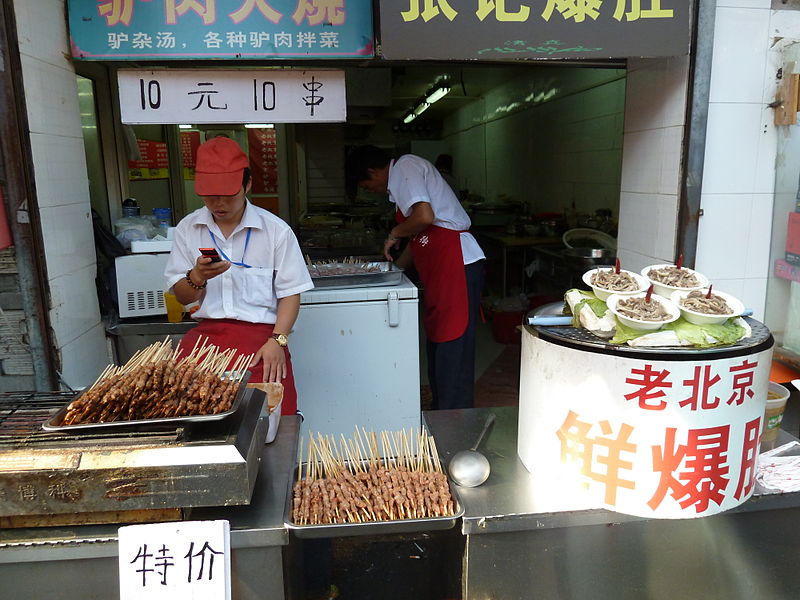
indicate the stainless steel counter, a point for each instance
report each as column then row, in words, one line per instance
column 80, row 562
column 513, row 551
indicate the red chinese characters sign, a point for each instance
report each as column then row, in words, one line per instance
column 263, row 148
column 654, row 438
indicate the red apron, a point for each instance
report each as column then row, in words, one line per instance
column 440, row 264
column 247, row 338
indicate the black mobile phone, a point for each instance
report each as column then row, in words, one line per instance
column 211, row 253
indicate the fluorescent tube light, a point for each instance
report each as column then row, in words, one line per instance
column 421, row 108
column 409, row 117
column 259, row 125
column 437, row 94
column 184, row 126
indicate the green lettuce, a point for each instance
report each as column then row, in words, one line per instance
column 597, row 306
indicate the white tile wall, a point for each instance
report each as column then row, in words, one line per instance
column 740, row 55
column 60, row 167
column 69, row 243
column 62, row 188
column 84, row 358
column 32, row 18
column 74, row 310
column 51, row 94
column 648, row 224
column 733, row 141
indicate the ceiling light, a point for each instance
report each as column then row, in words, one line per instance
column 409, row 117
column 421, row 108
column 184, row 126
column 437, row 94
column 259, row 125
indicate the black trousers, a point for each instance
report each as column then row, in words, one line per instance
column 451, row 365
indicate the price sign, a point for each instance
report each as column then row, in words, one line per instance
column 187, row 559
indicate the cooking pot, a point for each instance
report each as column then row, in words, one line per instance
column 589, row 257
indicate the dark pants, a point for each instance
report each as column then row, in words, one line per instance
column 451, row 365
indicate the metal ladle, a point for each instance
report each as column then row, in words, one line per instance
column 470, row 468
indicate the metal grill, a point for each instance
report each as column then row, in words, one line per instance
column 22, row 415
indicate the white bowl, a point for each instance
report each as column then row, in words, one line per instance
column 603, row 293
column 666, row 290
column 699, row 318
column 639, row 324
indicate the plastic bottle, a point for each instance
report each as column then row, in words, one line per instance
column 130, row 208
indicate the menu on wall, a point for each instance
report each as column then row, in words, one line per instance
column 190, row 142
column 153, row 162
column 263, row 146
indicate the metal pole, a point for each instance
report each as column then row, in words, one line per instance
column 695, row 145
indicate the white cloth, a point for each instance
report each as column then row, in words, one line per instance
column 413, row 179
column 278, row 269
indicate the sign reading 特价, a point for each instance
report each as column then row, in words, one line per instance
column 232, row 96
column 187, row 559
column 233, row 29
column 533, row 29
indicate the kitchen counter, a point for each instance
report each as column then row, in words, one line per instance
column 80, row 562
column 515, row 551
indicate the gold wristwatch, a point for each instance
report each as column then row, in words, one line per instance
column 281, row 338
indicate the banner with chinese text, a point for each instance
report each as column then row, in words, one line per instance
column 233, row 29
column 530, row 29
column 652, row 438
column 232, row 96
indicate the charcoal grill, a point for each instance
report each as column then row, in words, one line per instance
column 164, row 467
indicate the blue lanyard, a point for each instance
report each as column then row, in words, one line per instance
column 244, row 251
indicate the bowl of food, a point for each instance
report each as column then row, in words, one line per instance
column 703, row 308
column 670, row 278
column 637, row 312
column 605, row 281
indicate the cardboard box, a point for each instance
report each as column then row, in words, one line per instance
column 793, row 239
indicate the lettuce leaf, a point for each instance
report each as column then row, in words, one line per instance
column 597, row 306
column 725, row 333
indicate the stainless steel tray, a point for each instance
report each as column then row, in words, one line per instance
column 388, row 274
column 371, row 527
column 53, row 424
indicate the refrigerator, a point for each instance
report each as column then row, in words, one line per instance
column 355, row 354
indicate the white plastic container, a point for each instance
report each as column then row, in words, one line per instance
column 639, row 324
column 699, row 318
column 777, row 396
column 603, row 293
column 666, row 290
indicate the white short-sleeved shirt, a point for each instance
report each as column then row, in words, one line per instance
column 277, row 266
column 413, row 179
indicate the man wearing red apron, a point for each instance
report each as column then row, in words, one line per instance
column 249, row 300
column 448, row 259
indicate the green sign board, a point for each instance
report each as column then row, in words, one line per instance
column 533, row 29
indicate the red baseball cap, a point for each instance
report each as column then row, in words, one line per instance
column 220, row 168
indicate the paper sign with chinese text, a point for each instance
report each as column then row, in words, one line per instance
column 647, row 437
column 227, row 29
column 528, row 29
column 232, row 96
column 187, row 559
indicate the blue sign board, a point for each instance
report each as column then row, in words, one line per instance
column 230, row 29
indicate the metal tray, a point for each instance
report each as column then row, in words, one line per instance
column 53, row 424
column 372, row 527
column 389, row 274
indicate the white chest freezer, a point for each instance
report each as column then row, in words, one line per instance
column 355, row 354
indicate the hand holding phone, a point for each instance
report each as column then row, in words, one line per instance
column 211, row 253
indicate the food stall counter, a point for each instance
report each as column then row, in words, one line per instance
column 78, row 562
column 513, row 550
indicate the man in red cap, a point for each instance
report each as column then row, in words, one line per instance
column 249, row 299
